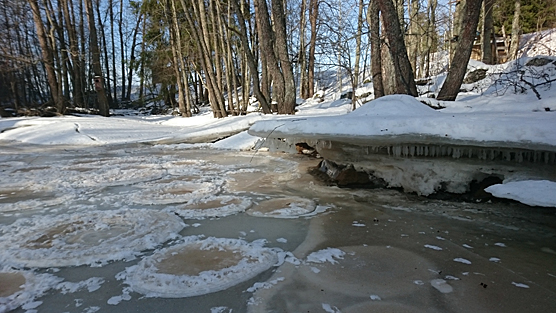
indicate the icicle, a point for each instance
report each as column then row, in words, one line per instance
column 397, row 151
column 412, row 150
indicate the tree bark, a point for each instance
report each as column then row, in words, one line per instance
column 373, row 19
column 458, row 66
column 514, row 44
column 78, row 88
column 97, row 70
column 414, row 36
column 405, row 78
column 487, row 33
column 267, row 44
column 263, row 101
column 459, row 15
column 302, row 51
column 358, row 47
column 47, row 55
column 313, row 16
column 281, row 47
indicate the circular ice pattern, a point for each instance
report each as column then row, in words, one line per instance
column 198, row 267
column 284, row 207
column 85, row 238
column 218, row 206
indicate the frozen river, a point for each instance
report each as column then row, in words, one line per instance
column 170, row 228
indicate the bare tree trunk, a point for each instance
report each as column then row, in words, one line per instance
column 142, row 65
column 431, row 34
column 458, row 24
column 175, row 43
column 302, row 52
column 458, row 66
column 78, row 88
column 132, row 54
column 267, row 44
column 514, row 44
column 224, row 42
column 281, row 47
column 113, row 46
column 47, row 54
column 250, row 59
column 404, row 73
column 487, row 33
column 414, row 36
column 358, row 46
column 122, row 50
column 313, row 16
column 373, row 19
column 97, row 70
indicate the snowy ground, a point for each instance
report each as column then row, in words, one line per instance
column 100, row 214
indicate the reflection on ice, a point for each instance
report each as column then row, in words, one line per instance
column 198, row 267
column 84, row 238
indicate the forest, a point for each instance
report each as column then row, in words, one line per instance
column 176, row 56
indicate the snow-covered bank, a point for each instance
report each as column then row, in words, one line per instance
column 400, row 119
column 410, row 145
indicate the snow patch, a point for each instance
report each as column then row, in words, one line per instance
column 441, row 285
column 462, row 260
column 530, row 192
column 326, row 255
column 437, row 248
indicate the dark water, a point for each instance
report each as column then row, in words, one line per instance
column 403, row 253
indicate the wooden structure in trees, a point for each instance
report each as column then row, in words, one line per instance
column 500, row 49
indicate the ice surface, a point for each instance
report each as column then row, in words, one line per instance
column 94, row 237
column 198, row 267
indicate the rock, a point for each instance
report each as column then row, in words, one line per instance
column 475, row 76
column 538, row 62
